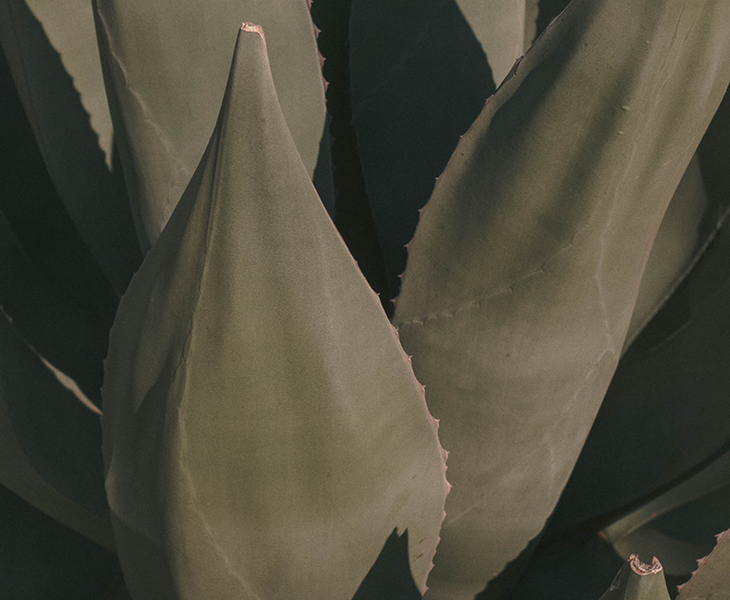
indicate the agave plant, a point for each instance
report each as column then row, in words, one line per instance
column 207, row 210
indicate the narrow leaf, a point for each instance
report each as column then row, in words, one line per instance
column 525, row 268
column 166, row 65
column 263, row 431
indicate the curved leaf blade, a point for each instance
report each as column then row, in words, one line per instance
column 526, row 265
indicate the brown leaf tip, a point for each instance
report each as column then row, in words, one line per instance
column 253, row 28
column 641, row 568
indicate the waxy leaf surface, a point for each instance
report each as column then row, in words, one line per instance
column 263, row 431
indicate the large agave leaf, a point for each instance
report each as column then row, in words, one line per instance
column 95, row 198
column 711, row 581
column 638, row 581
column 166, row 64
column 263, row 432
column 526, row 265
column 420, row 73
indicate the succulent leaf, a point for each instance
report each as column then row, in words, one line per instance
column 711, row 581
column 93, row 196
column 166, row 65
column 638, row 581
column 263, row 431
column 420, row 73
column 526, row 264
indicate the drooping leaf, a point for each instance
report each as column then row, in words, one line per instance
column 263, row 431
column 526, row 265
column 638, row 581
column 711, row 581
column 39, row 52
column 166, row 64
column 41, row 558
column 420, row 73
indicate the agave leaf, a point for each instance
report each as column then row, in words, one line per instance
column 711, row 581
column 526, row 265
column 41, row 558
column 166, row 65
column 638, row 581
column 95, row 198
column 420, row 73
column 263, row 431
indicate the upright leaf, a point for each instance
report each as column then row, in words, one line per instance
column 526, row 265
column 166, row 64
column 263, row 431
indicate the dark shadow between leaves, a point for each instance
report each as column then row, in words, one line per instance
column 419, row 78
column 390, row 576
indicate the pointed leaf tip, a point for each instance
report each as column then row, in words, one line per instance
column 261, row 421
